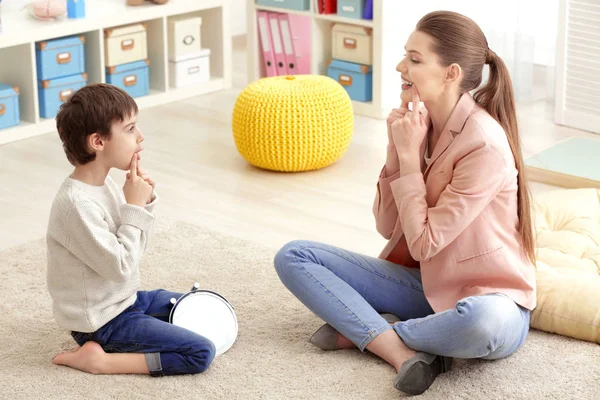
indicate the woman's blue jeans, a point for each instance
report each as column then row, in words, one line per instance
column 144, row 328
column 349, row 291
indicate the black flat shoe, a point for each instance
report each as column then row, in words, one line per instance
column 325, row 337
column 418, row 373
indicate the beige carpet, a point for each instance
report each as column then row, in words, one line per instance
column 271, row 359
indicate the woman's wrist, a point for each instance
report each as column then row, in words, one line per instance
column 391, row 162
column 409, row 163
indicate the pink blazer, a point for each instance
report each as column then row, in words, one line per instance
column 458, row 220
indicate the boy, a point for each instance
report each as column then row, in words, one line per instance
column 96, row 236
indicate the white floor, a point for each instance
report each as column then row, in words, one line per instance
column 203, row 180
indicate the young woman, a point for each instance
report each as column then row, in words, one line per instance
column 458, row 269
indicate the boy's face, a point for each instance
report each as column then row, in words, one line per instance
column 125, row 141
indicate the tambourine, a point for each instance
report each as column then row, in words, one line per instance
column 208, row 314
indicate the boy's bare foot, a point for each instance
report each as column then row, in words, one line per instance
column 93, row 359
column 87, row 358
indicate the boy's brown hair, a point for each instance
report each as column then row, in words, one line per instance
column 92, row 109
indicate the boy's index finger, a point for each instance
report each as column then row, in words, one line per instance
column 140, row 169
column 133, row 166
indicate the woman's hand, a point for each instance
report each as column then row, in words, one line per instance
column 395, row 114
column 409, row 134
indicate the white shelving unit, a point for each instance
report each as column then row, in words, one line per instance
column 390, row 32
column 21, row 32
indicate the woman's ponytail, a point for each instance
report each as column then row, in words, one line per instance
column 498, row 99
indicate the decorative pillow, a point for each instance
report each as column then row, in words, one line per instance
column 567, row 222
column 47, row 10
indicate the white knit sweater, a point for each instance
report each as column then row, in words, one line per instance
column 95, row 242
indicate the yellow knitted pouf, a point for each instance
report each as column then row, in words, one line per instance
column 293, row 123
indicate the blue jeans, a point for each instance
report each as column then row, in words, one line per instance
column 144, row 328
column 349, row 291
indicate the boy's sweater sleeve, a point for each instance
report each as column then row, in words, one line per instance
column 114, row 256
column 153, row 200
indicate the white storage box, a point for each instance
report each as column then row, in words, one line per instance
column 184, row 36
column 125, row 44
column 352, row 43
column 190, row 69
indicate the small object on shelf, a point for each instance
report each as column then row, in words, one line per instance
column 76, row 8
column 60, row 57
column 132, row 77
column 53, row 92
column 190, row 69
column 300, row 5
column 368, row 13
column 47, row 10
column 352, row 43
column 125, row 44
column 140, row 2
column 351, row 8
column 357, row 79
column 327, row 6
column 9, row 106
column 184, row 36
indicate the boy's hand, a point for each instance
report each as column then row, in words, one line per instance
column 144, row 175
column 136, row 190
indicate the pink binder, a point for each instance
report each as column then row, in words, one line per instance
column 277, row 44
column 301, row 37
column 288, row 45
column 266, row 46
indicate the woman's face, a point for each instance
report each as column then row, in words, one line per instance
column 420, row 68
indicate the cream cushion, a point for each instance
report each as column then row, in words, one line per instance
column 567, row 224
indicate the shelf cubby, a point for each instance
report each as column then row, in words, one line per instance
column 388, row 36
column 21, row 32
column 17, row 68
column 157, row 54
column 94, row 56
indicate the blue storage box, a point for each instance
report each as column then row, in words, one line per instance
column 9, row 106
column 357, row 79
column 302, row 5
column 52, row 93
column 60, row 57
column 76, row 8
column 351, row 8
column 132, row 77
